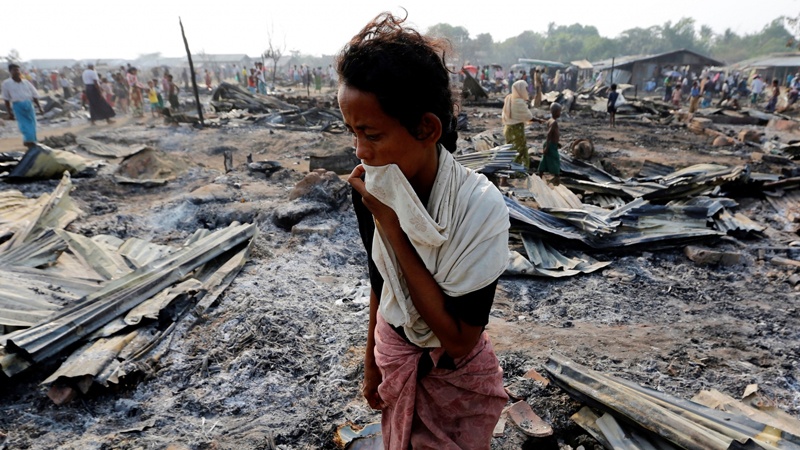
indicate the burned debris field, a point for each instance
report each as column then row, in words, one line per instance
column 192, row 287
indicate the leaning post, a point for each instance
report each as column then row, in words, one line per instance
column 194, row 78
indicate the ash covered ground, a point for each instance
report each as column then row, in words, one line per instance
column 277, row 362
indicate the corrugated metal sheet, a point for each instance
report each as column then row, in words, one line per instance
column 652, row 169
column 625, row 60
column 494, row 161
column 63, row 288
column 789, row 59
column 738, row 222
column 46, row 340
column 683, row 423
column 107, row 150
column 26, row 218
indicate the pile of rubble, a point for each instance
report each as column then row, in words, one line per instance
column 119, row 300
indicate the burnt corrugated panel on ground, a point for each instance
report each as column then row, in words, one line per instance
column 45, row 340
column 499, row 160
column 652, row 169
column 682, row 423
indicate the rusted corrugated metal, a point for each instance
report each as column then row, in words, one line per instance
column 682, row 423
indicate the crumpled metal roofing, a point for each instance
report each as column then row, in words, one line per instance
column 680, row 423
column 62, row 288
column 497, row 160
column 118, row 296
column 635, row 223
column 693, row 180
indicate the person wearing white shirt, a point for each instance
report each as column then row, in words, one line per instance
column 99, row 109
column 66, row 85
column 756, row 88
column 20, row 96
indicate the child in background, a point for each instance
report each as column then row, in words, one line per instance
column 160, row 99
column 551, row 160
column 108, row 91
column 611, row 107
column 152, row 96
column 172, row 93
column 676, row 98
column 695, row 97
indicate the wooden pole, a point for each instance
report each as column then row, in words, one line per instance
column 194, row 78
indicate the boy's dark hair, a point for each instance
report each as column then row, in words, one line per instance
column 405, row 70
column 614, row 87
column 13, row 66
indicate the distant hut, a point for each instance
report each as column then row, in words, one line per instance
column 641, row 69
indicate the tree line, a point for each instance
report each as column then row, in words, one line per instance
column 575, row 42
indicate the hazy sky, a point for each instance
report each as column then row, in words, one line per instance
column 79, row 29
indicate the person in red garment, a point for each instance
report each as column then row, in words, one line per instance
column 436, row 234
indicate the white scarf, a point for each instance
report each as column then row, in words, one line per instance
column 515, row 105
column 462, row 238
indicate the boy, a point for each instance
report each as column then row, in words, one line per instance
column 612, row 105
column 551, row 161
column 695, row 95
column 152, row 95
column 172, row 93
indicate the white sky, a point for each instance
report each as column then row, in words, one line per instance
column 82, row 29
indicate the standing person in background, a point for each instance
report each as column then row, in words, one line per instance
column 262, row 79
column 668, row 88
column 137, row 102
column 185, row 78
column 318, row 79
column 756, row 88
column 66, row 85
column 677, row 96
column 529, row 79
column 122, row 92
column 152, row 96
column 694, row 95
column 165, row 81
column 307, row 79
column 436, row 236
column 551, row 160
column 515, row 115
column 42, row 80
column 707, row 90
column 208, row 79
column 54, row 80
column 773, row 99
column 19, row 96
column 538, row 87
column 172, row 93
column 99, row 109
column 611, row 107
column 252, row 81
column 331, row 76
column 108, row 91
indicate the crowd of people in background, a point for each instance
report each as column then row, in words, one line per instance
column 732, row 90
column 126, row 90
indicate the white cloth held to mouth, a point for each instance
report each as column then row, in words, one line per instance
column 461, row 237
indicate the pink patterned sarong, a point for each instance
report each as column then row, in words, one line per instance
column 446, row 409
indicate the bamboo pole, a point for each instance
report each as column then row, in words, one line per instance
column 194, row 78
